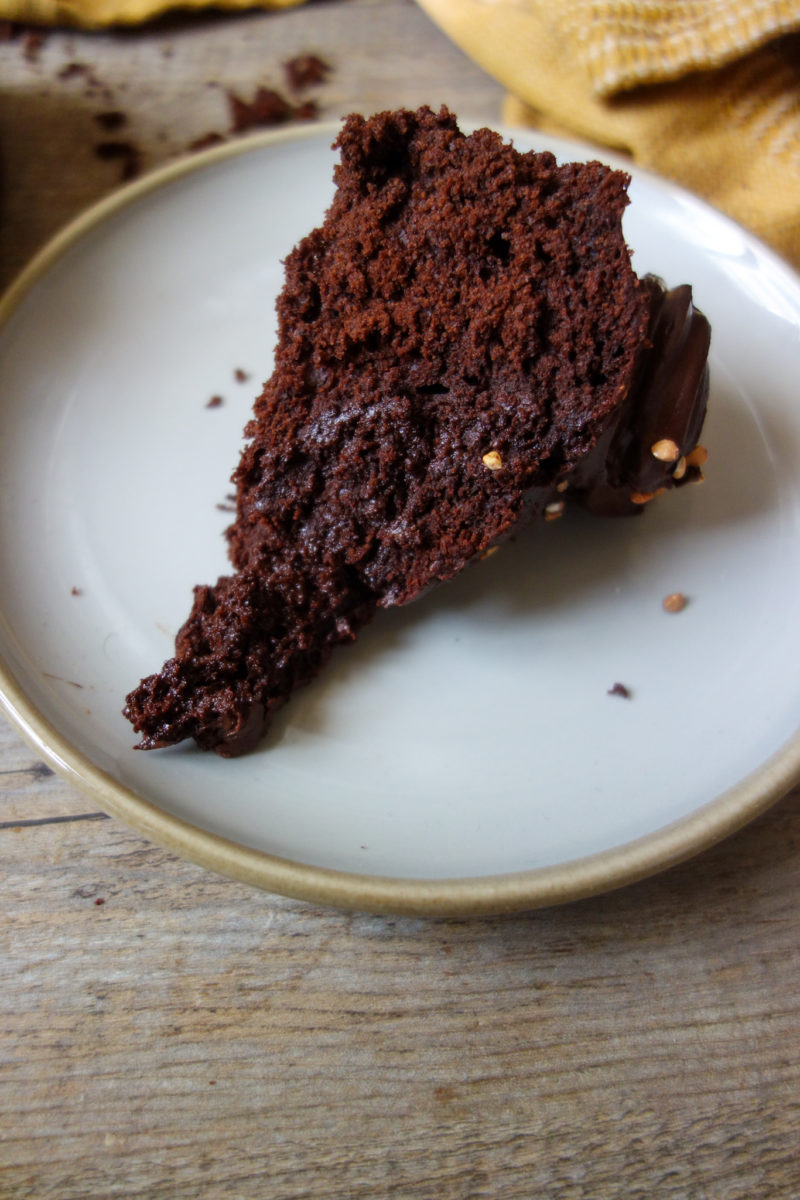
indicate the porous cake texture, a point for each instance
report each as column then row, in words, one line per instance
column 462, row 344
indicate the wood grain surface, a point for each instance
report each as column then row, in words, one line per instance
column 167, row 1033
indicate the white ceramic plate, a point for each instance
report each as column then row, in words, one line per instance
column 465, row 756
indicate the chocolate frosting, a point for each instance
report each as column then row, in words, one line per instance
column 667, row 402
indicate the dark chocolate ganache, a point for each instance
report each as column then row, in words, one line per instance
column 653, row 444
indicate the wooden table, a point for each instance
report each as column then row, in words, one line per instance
column 167, row 1033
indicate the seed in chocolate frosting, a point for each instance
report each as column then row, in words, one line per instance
column 665, row 450
column 680, row 469
column 492, row 460
column 553, row 510
column 641, row 497
column 697, row 457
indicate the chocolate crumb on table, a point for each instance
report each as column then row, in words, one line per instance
column 306, row 111
column 94, row 85
column 72, row 69
column 305, row 70
column 215, row 402
column 40, row 770
column 240, row 376
column 267, row 108
column 33, row 37
column 111, row 120
column 32, row 45
column 207, row 139
column 126, row 153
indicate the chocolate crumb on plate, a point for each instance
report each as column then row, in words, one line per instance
column 215, row 402
column 619, row 689
column 675, row 602
column 61, row 679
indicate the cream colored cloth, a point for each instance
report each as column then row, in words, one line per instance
column 706, row 92
column 93, row 14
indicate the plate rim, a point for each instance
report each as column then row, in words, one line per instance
column 516, row 891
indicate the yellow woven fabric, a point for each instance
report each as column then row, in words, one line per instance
column 93, row 14
column 704, row 93
column 622, row 43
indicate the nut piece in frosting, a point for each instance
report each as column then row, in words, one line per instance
column 697, row 457
column 665, row 450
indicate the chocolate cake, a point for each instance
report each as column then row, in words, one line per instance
column 463, row 344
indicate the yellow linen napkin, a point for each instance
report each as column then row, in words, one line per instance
column 622, row 44
column 93, row 14
column 706, row 92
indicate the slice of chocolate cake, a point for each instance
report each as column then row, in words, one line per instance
column 462, row 344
